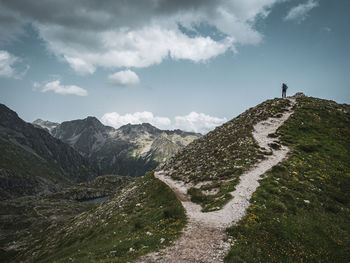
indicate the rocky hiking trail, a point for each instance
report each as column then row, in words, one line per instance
column 204, row 238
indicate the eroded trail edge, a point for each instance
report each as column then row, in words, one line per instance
column 203, row 239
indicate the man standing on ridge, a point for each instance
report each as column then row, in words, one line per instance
column 284, row 90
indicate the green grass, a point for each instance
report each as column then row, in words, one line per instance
column 300, row 212
column 132, row 223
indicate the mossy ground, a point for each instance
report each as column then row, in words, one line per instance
column 300, row 212
column 143, row 217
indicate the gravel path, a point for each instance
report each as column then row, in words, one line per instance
column 203, row 240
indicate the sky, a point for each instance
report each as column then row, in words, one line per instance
column 182, row 64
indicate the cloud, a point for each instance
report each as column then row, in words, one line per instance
column 115, row 120
column 124, row 78
column 88, row 34
column 80, row 66
column 194, row 122
column 138, row 48
column 198, row 122
column 300, row 12
column 7, row 66
column 56, row 87
column 10, row 25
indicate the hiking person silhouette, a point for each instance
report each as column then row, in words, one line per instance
column 284, row 90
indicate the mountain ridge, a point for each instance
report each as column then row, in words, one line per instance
column 120, row 150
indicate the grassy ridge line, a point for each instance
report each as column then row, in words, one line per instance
column 301, row 211
column 144, row 217
column 223, row 155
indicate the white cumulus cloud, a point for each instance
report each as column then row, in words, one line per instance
column 7, row 66
column 58, row 88
column 124, row 78
column 115, row 120
column 198, row 122
column 80, row 66
column 300, row 12
column 193, row 122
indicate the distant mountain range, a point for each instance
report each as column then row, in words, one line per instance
column 130, row 150
column 33, row 162
column 45, row 156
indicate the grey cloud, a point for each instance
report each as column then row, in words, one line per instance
column 97, row 15
column 127, row 33
column 10, row 25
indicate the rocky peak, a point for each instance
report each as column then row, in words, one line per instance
column 137, row 129
column 46, row 125
column 72, row 128
column 85, row 135
column 93, row 121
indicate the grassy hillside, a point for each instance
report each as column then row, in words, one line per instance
column 218, row 159
column 23, row 220
column 143, row 217
column 300, row 212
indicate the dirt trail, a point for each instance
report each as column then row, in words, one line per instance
column 203, row 240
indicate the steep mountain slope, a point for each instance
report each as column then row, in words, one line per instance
column 32, row 161
column 83, row 135
column 130, row 150
column 162, row 148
